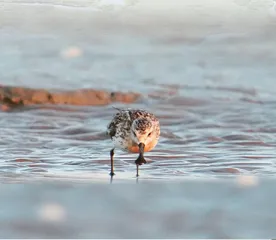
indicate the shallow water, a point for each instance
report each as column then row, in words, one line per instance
column 212, row 87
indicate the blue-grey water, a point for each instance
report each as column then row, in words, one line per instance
column 211, row 84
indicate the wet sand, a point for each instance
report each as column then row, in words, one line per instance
column 17, row 97
column 177, row 209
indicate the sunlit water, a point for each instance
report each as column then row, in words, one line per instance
column 214, row 94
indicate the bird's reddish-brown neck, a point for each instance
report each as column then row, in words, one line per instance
column 134, row 148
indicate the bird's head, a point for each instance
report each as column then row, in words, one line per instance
column 142, row 131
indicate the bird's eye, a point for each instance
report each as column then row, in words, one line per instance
column 149, row 134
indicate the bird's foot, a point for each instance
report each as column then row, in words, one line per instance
column 111, row 174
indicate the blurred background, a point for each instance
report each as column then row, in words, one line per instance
column 205, row 68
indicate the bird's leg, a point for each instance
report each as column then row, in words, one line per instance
column 140, row 160
column 112, row 162
column 137, row 170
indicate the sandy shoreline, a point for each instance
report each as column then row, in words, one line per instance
column 14, row 97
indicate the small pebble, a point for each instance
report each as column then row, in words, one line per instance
column 247, row 181
column 52, row 212
column 71, row 52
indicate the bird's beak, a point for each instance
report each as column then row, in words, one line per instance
column 141, row 148
column 140, row 160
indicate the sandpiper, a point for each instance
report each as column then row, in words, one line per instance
column 135, row 131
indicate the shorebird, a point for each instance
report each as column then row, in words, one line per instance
column 135, row 131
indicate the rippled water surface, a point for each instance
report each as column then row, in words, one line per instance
column 214, row 94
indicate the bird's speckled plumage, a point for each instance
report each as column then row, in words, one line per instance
column 125, row 122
